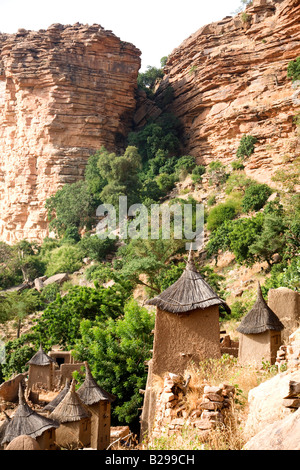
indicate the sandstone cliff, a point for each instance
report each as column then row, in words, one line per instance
column 230, row 79
column 64, row 92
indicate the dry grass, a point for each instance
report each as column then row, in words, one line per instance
column 227, row 436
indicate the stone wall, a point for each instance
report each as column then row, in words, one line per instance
column 174, row 411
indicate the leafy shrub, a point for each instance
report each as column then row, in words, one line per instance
column 187, row 162
column 237, row 182
column 197, row 173
column 237, row 165
column 293, row 70
column 64, row 259
column 217, row 172
column 256, row 195
column 246, row 147
column 95, row 248
column 165, row 182
column 219, row 214
column 61, row 319
column 116, row 352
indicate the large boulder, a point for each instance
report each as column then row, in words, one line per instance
column 58, row 278
column 266, row 402
column 281, row 435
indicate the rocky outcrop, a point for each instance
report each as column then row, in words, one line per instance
column 64, row 92
column 230, row 79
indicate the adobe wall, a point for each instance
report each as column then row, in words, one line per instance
column 181, row 339
column 286, row 304
column 40, row 377
column 75, row 434
column 256, row 348
column 100, row 425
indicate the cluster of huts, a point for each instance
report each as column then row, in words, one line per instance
column 187, row 330
column 74, row 419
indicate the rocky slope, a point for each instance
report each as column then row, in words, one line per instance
column 64, row 92
column 230, row 79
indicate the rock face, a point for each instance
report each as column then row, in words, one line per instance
column 64, row 92
column 230, row 79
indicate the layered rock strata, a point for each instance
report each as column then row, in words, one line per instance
column 64, row 92
column 230, row 79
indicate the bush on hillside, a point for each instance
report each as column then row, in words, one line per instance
column 246, row 147
column 255, row 197
column 220, row 213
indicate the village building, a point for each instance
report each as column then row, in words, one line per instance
column 26, row 421
column 285, row 303
column 186, row 324
column 41, row 371
column 186, row 331
column 98, row 402
column 23, row 443
column 260, row 334
column 74, row 418
column 59, row 397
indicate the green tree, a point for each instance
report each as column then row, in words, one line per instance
column 255, row 197
column 147, row 80
column 246, row 146
column 18, row 305
column 243, row 234
column 218, row 214
column 64, row 259
column 293, row 70
column 116, row 351
column 122, row 174
column 61, row 319
column 71, row 206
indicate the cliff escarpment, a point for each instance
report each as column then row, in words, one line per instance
column 230, row 79
column 64, row 92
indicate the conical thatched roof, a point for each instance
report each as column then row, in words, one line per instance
column 4, row 426
column 55, row 402
column 260, row 318
column 90, row 392
column 71, row 408
column 188, row 293
column 26, row 422
column 40, row 358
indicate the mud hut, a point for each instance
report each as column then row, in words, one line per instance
column 23, row 443
column 260, row 333
column 41, row 371
column 26, row 421
column 74, row 431
column 98, row 402
column 187, row 323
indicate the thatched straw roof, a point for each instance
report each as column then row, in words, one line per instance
column 188, row 293
column 260, row 318
column 4, row 426
column 61, row 395
column 71, row 408
column 90, row 392
column 26, row 421
column 40, row 358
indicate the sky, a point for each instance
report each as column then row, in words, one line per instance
column 156, row 27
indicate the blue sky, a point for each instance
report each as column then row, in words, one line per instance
column 156, row 27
